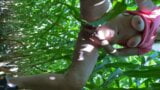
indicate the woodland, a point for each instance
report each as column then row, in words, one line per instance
column 38, row 36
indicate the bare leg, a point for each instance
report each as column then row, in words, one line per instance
column 92, row 10
column 84, row 60
column 40, row 82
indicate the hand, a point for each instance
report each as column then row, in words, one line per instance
column 126, row 52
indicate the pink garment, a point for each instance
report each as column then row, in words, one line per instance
column 152, row 22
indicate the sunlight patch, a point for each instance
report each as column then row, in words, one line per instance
column 81, row 56
column 52, row 78
column 99, row 3
column 87, row 47
column 104, row 42
column 11, row 85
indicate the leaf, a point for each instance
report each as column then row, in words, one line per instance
column 121, row 64
column 155, row 85
column 112, row 77
column 98, row 80
column 143, row 74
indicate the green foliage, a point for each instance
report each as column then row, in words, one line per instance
column 48, row 30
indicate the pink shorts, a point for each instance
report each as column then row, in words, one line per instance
column 152, row 23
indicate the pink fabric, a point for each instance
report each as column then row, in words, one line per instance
column 152, row 22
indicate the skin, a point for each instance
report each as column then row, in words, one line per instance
column 128, row 31
column 86, row 52
column 130, row 35
column 84, row 60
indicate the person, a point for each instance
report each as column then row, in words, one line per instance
column 136, row 33
column 128, row 33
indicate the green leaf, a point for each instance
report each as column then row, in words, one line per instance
column 143, row 74
column 98, row 80
column 112, row 77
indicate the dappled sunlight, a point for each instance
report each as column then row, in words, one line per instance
column 114, row 51
column 104, row 33
column 101, row 35
column 156, row 47
column 99, row 3
column 87, row 48
column 52, row 78
column 105, row 42
column 11, row 85
column 81, row 56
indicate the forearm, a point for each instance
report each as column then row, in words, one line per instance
column 92, row 10
column 145, row 5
